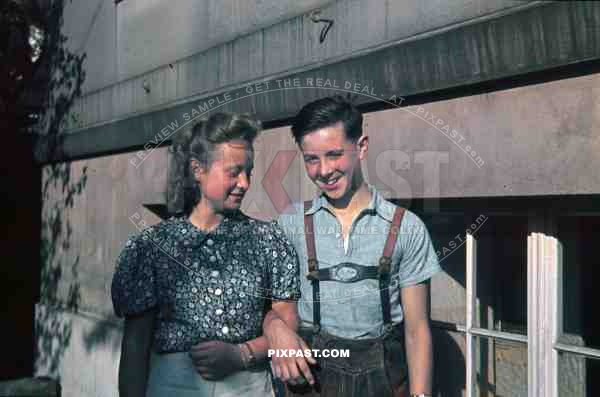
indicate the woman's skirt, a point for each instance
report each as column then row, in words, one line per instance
column 173, row 374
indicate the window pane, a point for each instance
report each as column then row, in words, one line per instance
column 502, row 274
column 579, row 236
column 578, row 376
column 501, row 368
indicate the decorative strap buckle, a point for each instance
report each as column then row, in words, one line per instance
column 385, row 264
column 313, row 275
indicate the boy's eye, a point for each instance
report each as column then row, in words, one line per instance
column 310, row 159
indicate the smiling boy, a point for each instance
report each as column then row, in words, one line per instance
column 364, row 287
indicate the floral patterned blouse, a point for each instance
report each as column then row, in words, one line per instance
column 206, row 286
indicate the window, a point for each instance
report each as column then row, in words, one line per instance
column 479, row 306
column 516, row 307
column 578, row 334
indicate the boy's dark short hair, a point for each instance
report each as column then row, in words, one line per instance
column 324, row 113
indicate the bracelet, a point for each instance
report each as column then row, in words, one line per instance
column 248, row 357
column 244, row 354
column 251, row 356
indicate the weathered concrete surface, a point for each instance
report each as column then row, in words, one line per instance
column 572, row 371
column 81, row 349
column 274, row 149
column 90, row 208
column 510, row 369
column 90, row 27
column 532, row 140
column 124, row 40
column 190, row 27
column 83, row 229
column 449, row 307
column 465, row 55
column 206, row 46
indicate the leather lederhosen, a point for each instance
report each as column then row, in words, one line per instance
column 375, row 366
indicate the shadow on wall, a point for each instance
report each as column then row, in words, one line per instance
column 59, row 278
column 449, row 365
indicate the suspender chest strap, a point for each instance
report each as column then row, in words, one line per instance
column 385, row 265
column 313, row 265
column 382, row 271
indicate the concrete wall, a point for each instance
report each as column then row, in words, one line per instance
column 203, row 48
column 539, row 139
column 85, row 222
column 124, row 40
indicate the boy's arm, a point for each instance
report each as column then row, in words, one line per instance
column 419, row 347
column 280, row 327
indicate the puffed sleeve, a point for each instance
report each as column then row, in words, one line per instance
column 283, row 266
column 133, row 287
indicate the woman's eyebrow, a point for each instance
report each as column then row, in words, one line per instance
column 234, row 167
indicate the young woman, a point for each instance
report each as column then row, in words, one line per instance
column 193, row 289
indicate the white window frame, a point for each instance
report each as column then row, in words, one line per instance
column 544, row 311
column 471, row 331
column 544, row 316
column 549, row 259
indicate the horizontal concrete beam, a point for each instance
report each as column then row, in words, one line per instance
column 558, row 34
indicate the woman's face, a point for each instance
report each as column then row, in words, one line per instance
column 227, row 179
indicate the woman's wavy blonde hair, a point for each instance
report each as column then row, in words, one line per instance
column 198, row 143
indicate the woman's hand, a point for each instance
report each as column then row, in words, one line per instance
column 214, row 360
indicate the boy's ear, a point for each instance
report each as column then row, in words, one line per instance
column 363, row 146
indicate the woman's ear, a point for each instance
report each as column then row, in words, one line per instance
column 197, row 170
column 363, row 146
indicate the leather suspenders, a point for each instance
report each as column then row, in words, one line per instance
column 312, row 263
column 382, row 272
column 385, row 264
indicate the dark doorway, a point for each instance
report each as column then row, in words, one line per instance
column 20, row 251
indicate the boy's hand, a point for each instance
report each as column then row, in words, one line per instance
column 288, row 369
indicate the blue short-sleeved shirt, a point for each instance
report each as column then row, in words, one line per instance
column 353, row 310
column 206, row 286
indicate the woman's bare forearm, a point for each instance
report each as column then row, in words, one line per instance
column 135, row 355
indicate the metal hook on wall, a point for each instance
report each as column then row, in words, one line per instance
column 314, row 16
